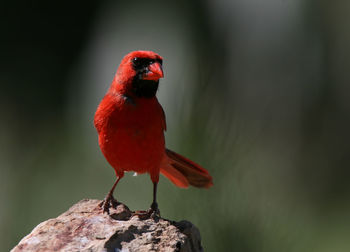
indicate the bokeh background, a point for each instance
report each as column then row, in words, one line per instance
column 255, row 91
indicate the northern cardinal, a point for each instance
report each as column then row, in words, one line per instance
column 130, row 123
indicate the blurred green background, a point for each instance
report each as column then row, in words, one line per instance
column 255, row 91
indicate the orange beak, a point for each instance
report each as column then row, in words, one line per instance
column 155, row 72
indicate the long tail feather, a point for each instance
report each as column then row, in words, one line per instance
column 183, row 172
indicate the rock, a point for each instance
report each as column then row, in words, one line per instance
column 85, row 228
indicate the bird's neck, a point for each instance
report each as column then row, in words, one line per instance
column 135, row 88
column 144, row 88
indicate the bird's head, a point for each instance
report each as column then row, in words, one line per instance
column 138, row 74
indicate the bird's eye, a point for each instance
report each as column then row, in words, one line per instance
column 140, row 63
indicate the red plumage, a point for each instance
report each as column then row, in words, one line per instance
column 130, row 123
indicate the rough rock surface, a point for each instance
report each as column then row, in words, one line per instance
column 85, row 228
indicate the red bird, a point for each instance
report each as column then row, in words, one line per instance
column 130, row 123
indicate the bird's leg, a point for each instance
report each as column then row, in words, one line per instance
column 153, row 212
column 109, row 200
column 154, row 205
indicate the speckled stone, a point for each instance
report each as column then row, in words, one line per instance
column 85, row 228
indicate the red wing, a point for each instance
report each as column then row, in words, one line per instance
column 164, row 119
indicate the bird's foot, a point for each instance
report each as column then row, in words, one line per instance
column 153, row 213
column 108, row 202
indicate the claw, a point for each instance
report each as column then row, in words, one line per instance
column 107, row 203
column 153, row 213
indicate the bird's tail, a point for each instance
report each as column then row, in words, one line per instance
column 183, row 172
